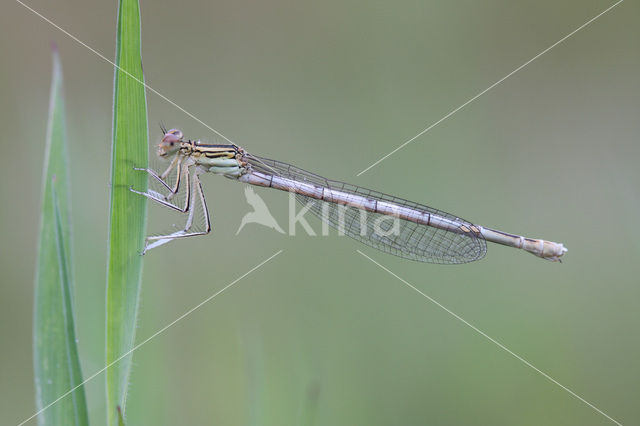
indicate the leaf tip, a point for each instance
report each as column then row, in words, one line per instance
column 55, row 52
column 120, row 417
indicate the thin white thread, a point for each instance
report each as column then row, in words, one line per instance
column 492, row 340
column 163, row 329
column 100, row 55
column 490, row 87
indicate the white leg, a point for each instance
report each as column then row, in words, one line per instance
column 196, row 191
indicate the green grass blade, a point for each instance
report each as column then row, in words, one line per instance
column 128, row 210
column 120, row 418
column 56, row 362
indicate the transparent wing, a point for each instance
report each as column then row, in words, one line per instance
column 396, row 236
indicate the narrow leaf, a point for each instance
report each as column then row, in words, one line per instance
column 120, row 418
column 56, row 362
column 128, row 210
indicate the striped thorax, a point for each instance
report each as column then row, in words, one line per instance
column 224, row 159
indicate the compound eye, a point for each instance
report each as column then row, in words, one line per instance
column 177, row 133
column 172, row 137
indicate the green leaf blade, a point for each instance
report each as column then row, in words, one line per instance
column 128, row 211
column 56, row 361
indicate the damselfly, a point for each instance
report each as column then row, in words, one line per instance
column 417, row 232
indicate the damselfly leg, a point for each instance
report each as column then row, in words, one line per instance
column 177, row 164
column 165, row 200
column 193, row 193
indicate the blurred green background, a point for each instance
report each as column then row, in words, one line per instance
column 320, row 334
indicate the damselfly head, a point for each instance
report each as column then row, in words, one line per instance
column 170, row 142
